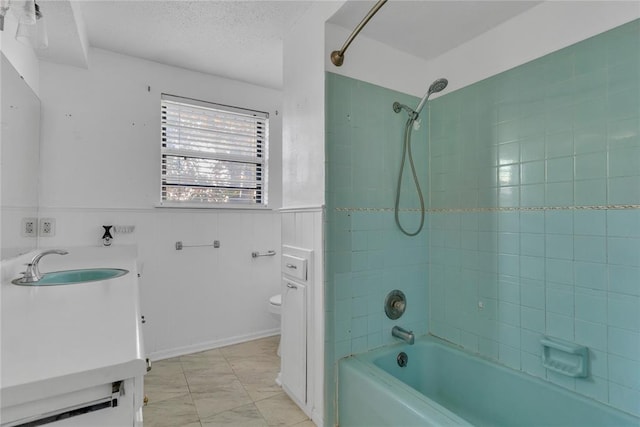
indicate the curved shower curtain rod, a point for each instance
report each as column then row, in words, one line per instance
column 337, row 56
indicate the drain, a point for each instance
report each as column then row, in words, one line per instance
column 402, row 359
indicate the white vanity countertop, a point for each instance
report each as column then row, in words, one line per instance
column 57, row 339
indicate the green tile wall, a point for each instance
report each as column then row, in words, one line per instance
column 533, row 185
column 535, row 213
column 366, row 256
column 559, row 131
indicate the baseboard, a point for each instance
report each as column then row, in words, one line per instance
column 317, row 418
column 304, row 408
column 209, row 345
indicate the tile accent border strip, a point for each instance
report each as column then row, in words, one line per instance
column 502, row 209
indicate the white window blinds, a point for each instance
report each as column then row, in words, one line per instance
column 212, row 154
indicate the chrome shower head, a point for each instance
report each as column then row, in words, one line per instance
column 437, row 86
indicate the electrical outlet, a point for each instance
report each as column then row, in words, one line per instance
column 47, row 227
column 29, row 227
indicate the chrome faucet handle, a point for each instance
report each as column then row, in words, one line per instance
column 32, row 274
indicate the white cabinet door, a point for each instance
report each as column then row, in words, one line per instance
column 294, row 339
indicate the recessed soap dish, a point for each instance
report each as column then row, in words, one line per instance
column 565, row 357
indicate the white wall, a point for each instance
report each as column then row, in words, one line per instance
column 540, row 30
column 303, row 164
column 103, row 125
column 21, row 203
column 19, row 160
column 303, row 108
column 100, row 165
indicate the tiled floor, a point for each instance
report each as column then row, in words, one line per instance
column 229, row 386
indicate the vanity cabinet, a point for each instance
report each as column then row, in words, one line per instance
column 294, row 338
column 302, row 341
column 73, row 355
column 297, row 318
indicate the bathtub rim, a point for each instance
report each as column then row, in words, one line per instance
column 369, row 357
column 442, row 415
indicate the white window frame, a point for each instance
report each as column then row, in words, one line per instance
column 214, row 149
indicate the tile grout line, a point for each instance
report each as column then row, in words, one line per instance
column 189, row 388
column 253, row 402
column 492, row 209
column 227, row 358
column 235, row 374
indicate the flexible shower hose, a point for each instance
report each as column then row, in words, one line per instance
column 407, row 148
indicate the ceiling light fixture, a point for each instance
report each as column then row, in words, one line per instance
column 4, row 8
column 32, row 29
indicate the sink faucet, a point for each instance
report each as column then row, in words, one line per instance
column 403, row 334
column 32, row 274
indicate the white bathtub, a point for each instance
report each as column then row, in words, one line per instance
column 443, row 385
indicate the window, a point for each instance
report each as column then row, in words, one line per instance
column 212, row 154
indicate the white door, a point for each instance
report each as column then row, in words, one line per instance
column 294, row 339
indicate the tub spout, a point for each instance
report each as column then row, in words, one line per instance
column 403, row 334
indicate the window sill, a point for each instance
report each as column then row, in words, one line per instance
column 169, row 205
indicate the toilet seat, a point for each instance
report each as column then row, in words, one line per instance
column 275, row 304
column 276, row 300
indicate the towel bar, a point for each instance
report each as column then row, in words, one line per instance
column 180, row 245
column 258, row 254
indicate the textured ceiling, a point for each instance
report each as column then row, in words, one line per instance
column 241, row 40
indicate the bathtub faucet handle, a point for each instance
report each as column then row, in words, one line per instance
column 403, row 334
column 399, row 305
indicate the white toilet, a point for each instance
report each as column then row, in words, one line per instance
column 275, row 308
